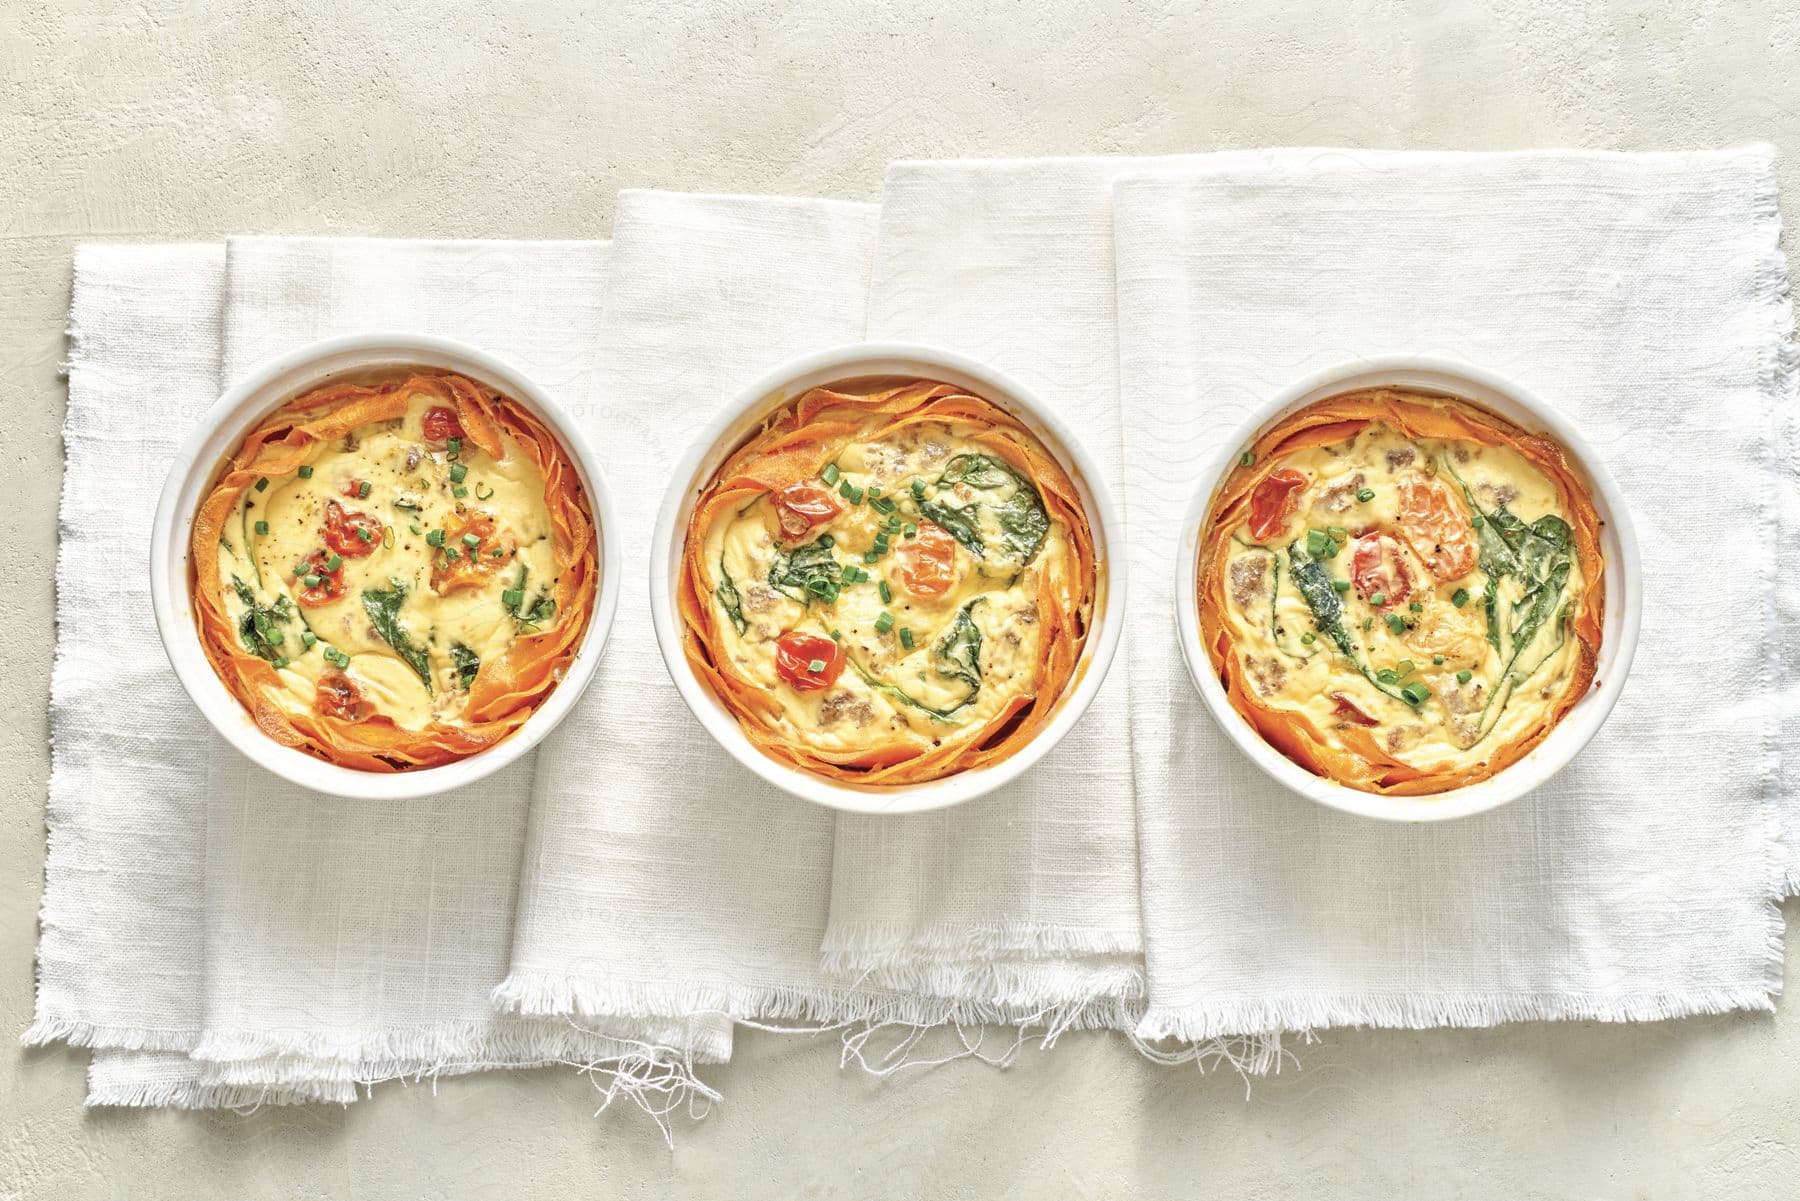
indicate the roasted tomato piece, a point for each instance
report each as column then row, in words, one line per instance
column 1345, row 708
column 440, row 425
column 473, row 553
column 319, row 585
column 799, row 507
column 925, row 565
column 1273, row 501
column 1378, row 567
column 1434, row 524
column 349, row 533
column 338, row 696
column 808, row 662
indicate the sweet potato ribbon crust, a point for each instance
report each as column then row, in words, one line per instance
column 1362, row 763
column 507, row 689
column 793, row 446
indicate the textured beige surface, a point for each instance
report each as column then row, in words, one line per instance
column 164, row 121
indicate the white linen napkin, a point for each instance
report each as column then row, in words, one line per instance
column 1644, row 295
column 305, row 971
column 1022, row 905
column 661, row 878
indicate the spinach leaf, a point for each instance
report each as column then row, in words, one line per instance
column 529, row 617
column 260, row 626
column 466, row 662
column 806, row 573
column 1017, row 508
column 1314, row 584
column 729, row 600
column 959, row 523
column 958, row 652
column 383, row 608
column 957, row 656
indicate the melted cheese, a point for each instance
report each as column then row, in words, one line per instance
column 860, row 711
column 1292, row 665
column 411, row 494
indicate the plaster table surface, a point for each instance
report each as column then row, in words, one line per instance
column 172, row 121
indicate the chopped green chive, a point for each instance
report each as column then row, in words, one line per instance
column 815, row 665
column 850, row 492
column 870, row 556
column 1404, row 667
column 1337, row 532
column 1460, row 597
column 262, row 527
column 458, row 472
column 435, row 538
column 365, row 534
column 405, row 502
column 306, row 472
column 1388, row 675
column 453, row 446
column 1464, row 676
column 363, row 489
column 1437, row 660
column 451, row 553
column 1365, row 495
column 906, row 639
column 311, row 581
column 848, row 575
column 1368, row 624
column 827, row 541
column 480, row 495
column 882, row 504
column 837, row 635
column 1341, row 585
column 887, row 594
column 1416, row 694
column 1476, row 521
column 830, row 475
column 1416, row 607
column 884, row 623
column 471, row 540
column 336, row 561
column 415, row 527
column 1395, row 625
column 1315, row 543
column 262, row 485
column 910, row 530
column 1247, row 460
column 918, row 487
column 307, row 638
column 459, row 493
column 280, row 663
column 512, row 598
column 1306, row 639
column 1378, row 599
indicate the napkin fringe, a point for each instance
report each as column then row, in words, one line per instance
column 190, row 1094
column 1269, row 1019
column 47, row 1029
column 858, row 947
column 425, row 1051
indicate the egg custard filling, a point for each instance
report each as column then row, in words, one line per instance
column 1402, row 592
column 394, row 575
column 891, row 581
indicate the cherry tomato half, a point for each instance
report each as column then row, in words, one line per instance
column 330, row 584
column 440, row 425
column 473, row 566
column 1273, row 501
column 799, row 507
column 925, row 565
column 338, row 696
column 349, row 533
column 796, row 652
column 1435, row 526
column 1378, row 567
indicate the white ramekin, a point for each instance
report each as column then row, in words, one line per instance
column 220, row 433
column 1618, row 546
column 739, row 420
